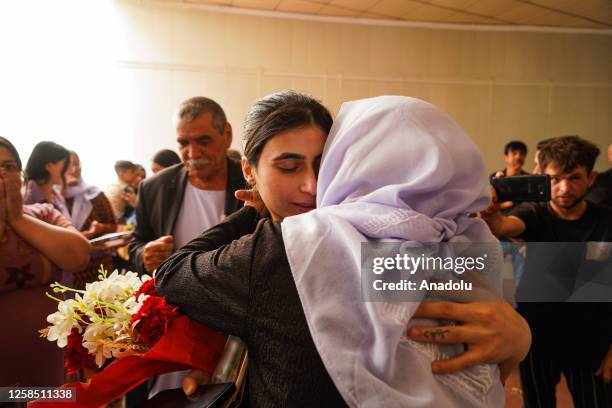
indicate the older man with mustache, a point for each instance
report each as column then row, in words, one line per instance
column 180, row 202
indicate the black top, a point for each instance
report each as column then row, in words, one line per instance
column 543, row 225
column 575, row 334
column 159, row 202
column 236, row 279
column 601, row 192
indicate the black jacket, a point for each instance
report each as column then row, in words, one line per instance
column 159, row 203
column 235, row 278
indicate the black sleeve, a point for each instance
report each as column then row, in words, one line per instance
column 209, row 278
column 607, row 322
column 143, row 232
column 527, row 212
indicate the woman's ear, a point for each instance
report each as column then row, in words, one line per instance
column 247, row 171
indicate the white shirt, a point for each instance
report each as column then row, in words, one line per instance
column 201, row 209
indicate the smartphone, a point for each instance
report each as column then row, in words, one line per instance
column 522, row 188
column 111, row 237
column 129, row 189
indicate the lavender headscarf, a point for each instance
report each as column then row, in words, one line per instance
column 82, row 193
column 394, row 168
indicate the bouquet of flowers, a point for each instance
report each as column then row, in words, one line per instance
column 120, row 323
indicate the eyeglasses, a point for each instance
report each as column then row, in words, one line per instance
column 9, row 167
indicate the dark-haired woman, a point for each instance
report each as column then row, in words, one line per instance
column 237, row 278
column 164, row 159
column 37, row 243
column 45, row 172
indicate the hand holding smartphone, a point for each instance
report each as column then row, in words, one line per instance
column 522, row 188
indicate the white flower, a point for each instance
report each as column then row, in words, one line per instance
column 97, row 339
column 116, row 288
column 122, row 318
column 107, row 306
column 132, row 305
column 62, row 322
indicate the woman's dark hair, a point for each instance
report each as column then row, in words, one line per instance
column 278, row 113
column 9, row 146
column 166, row 158
column 42, row 154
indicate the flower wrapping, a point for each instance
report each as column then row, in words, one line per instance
column 122, row 319
column 186, row 344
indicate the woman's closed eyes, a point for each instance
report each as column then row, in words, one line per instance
column 289, row 166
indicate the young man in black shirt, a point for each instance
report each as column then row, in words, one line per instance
column 570, row 338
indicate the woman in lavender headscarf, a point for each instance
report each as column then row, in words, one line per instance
column 394, row 169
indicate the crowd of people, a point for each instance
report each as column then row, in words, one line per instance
column 264, row 245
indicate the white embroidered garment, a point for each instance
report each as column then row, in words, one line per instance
column 394, row 169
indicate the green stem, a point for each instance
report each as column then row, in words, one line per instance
column 58, row 287
column 53, row 297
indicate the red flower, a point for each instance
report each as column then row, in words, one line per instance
column 77, row 356
column 147, row 288
column 153, row 318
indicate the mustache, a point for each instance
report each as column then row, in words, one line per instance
column 198, row 163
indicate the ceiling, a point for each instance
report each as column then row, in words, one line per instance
column 591, row 14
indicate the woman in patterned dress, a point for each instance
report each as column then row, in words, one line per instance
column 37, row 243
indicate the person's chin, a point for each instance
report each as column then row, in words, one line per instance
column 566, row 202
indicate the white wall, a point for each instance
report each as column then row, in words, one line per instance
column 105, row 80
column 498, row 85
